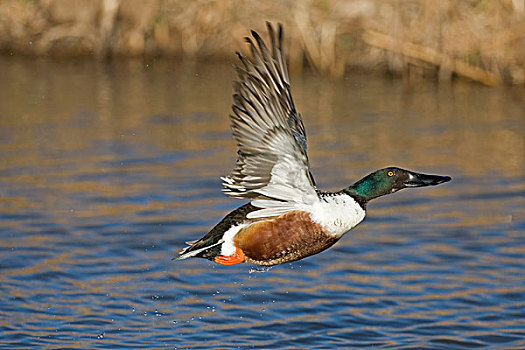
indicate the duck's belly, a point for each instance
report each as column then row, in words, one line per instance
column 289, row 237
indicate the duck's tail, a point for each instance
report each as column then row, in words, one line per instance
column 193, row 249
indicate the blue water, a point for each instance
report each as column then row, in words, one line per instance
column 106, row 170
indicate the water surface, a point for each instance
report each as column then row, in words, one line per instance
column 106, row 170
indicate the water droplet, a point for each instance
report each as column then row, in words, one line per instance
column 259, row 269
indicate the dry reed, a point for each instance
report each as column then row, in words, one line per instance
column 482, row 40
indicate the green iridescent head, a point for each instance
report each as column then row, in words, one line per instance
column 390, row 180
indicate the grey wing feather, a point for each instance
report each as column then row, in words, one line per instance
column 271, row 139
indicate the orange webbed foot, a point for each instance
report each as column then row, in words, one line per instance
column 237, row 257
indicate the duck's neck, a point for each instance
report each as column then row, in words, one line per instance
column 368, row 188
column 357, row 196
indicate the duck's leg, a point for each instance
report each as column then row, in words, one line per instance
column 237, row 257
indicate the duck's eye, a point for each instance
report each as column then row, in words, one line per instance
column 390, row 173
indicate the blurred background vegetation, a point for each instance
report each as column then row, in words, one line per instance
column 481, row 40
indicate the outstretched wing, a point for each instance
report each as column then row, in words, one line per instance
column 272, row 167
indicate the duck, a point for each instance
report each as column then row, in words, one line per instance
column 287, row 218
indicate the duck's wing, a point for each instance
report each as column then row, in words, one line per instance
column 272, row 168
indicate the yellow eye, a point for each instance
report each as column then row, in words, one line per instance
column 390, row 173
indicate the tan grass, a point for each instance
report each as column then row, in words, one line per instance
column 482, row 40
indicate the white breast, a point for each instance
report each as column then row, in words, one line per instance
column 337, row 214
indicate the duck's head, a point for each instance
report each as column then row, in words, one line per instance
column 390, row 180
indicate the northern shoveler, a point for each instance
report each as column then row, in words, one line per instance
column 287, row 218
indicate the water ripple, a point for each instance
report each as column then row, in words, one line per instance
column 95, row 203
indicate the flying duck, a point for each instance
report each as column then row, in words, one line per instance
column 288, row 218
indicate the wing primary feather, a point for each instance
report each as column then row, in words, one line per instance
column 272, row 167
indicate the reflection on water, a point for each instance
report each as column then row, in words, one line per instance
column 105, row 170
